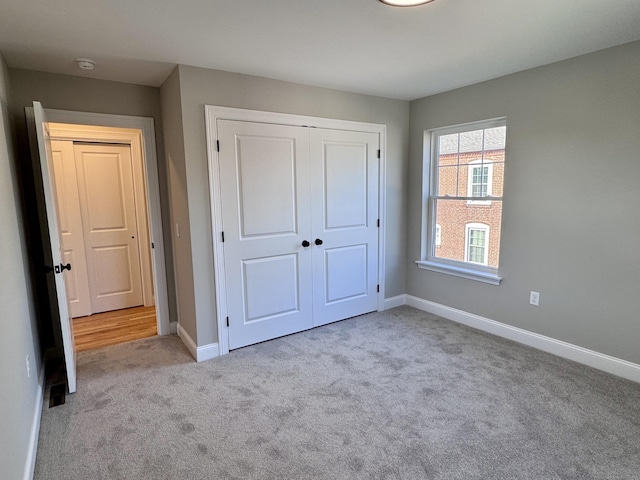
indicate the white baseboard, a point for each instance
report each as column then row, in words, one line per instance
column 205, row 352
column 394, row 302
column 32, row 449
column 173, row 328
column 606, row 363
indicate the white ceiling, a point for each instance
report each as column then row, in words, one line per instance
column 355, row 45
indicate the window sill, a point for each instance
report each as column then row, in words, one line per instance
column 462, row 272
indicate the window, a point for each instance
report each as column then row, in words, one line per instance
column 480, row 176
column 464, row 179
column 476, row 243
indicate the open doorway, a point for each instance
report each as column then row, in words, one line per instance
column 103, row 214
column 138, row 134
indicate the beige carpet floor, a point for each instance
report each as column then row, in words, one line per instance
column 399, row 394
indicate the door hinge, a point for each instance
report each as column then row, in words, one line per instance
column 222, row 237
column 378, row 223
column 227, row 321
column 378, row 153
column 218, row 145
column 152, row 245
column 378, row 289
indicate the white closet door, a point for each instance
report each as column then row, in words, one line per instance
column 344, row 192
column 70, row 220
column 264, row 177
column 105, row 184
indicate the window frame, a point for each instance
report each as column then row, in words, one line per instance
column 428, row 260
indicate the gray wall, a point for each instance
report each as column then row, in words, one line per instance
column 174, row 147
column 66, row 92
column 19, row 394
column 199, row 87
column 571, row 224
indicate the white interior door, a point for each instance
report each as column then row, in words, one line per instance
column 46, row 165
column 344, row 192
column 264, row 179
column 107, row 204
column 76, row 281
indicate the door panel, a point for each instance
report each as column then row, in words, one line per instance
column 266, row 186
column 345, row 185
column 52, row 214
column 113, row 270
column 264, row 179
column 76, row 280
column 345, row 273
column 105, row 183
column 281, row 298
column 344, row 172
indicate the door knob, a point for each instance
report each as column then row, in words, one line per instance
column 318, row 241
column 305, row 243
column 61, row 268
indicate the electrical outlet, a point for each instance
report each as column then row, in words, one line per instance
column 28, row 368
column 534, row 298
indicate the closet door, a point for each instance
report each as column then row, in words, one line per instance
column 344, row 206
column 264, row 180
column 105, row 184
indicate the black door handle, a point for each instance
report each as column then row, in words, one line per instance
column 61, row 268
column 318, row 241
column 305, row 243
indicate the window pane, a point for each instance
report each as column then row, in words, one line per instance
column 453, row 216
column 471, row 141
column 497, row 177
column 448, row 181
column 448, row 144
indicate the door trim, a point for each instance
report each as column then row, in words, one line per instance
column 212, row 115
column 145, row 138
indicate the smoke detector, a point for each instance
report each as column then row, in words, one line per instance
column 85, row 63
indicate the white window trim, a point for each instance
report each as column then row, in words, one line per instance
column 428, row 261
column 471, row 166
column 467, row 238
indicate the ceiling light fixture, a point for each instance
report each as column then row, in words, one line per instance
column 85, row 63
column 405, row 3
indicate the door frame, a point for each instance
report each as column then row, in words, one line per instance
column 133, row 139
column 212, row 115
column 145, row 139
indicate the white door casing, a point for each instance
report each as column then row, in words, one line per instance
column 284, row 187
column 264, row 177
column 46, row 165
column 68, row 201
column 110, row 227
column 344, row 192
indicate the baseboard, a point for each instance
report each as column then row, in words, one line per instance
column 30, row 464
column 205, row 352
column 173, row 328
column 606, row 363
column 394, row 302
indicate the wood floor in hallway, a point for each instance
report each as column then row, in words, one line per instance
column 110, row 328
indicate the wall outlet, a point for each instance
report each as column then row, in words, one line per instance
column 28, row 368
column 534, row 298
